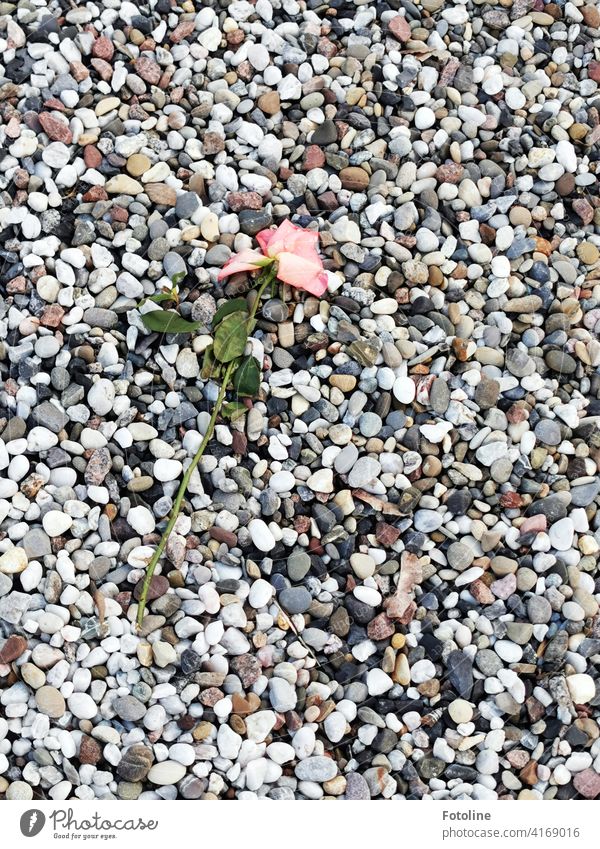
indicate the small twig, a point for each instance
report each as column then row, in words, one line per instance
column 295, row 630
column 100, row 603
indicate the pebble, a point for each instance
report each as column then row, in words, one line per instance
column 582, row 688
column 13, row 561
column 50, row 702
column 460, row 711
column 129, row 709
column 141, row 520
column 260, row 593
column 261, row 535
column 56, row 523
column 295, row 599
column 316, row 768
column 82, row 706
column 166, row 772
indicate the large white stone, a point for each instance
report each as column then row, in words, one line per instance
column 101, row 397
column 166, row 772
column 260, row 594
column 141, row 520
column 261, row 535
column 56, row 522
column 13, row 561
column 82, row 706
column 582, row 688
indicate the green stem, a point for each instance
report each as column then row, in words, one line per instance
column 176, row 509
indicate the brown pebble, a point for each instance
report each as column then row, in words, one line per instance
column 50, row 702
column 221, row 535
column 138, row 164
column 587, row 783
column 161, row 194
column 269, row 103
column 159, row 585
column 90, row 751
column 12, row 648
column 353, row 178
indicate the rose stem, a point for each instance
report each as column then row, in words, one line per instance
column 176, row 509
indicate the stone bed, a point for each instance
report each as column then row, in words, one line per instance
column 383, row 583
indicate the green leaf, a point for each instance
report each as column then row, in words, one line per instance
column 231, row 337
column 210, row 367
column 263, row 261
column 162, row 296
column 234, row 410
column 237, row 305
column 246, row 380
column 167, row 321
column 159, row 298
column 177, row 278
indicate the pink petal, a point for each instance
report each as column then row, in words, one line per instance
column 304, row 243
column 302, row 273
column 317, row 285
column 263, row 238
column 244, row 261
column 288, row 238
column 296, row 250
column 275, row 242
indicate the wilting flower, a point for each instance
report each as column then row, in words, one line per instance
column 295, row 251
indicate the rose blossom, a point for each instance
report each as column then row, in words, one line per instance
column 295, row 251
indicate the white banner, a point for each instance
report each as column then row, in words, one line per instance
column 289, row 825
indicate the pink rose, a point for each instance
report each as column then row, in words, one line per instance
column 295, row 251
